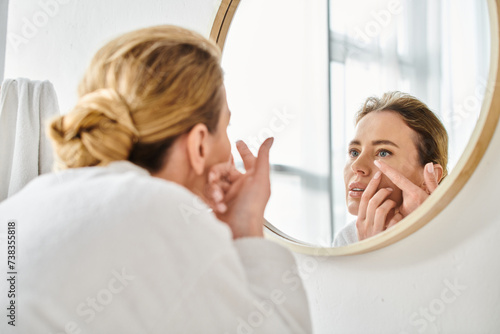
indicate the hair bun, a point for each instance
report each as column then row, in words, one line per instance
column 97, row 131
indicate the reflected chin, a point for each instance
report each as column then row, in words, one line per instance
column 353, row 206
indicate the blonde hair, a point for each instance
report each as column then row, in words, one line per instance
column 141, row 91
column 432, row 142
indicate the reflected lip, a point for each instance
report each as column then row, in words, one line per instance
column 356, row 190
column 357, row 186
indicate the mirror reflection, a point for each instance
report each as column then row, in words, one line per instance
column 303, row 76
column 397, row 158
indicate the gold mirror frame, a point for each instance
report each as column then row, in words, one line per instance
column 449, row 188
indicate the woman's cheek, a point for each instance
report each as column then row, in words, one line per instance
column 227, row 149
column 397, row 196
column 353, row 207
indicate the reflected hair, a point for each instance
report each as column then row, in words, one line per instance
column 141, row 92
column 432, row 138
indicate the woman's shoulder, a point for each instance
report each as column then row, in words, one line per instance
column 121, row 178
column 120, row 191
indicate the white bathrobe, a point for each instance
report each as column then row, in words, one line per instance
column 114, row 250
column 346, row 236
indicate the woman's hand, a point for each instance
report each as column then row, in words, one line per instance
column 240, row 199
column 376, row 213
column 413, row 195
column 219, row 182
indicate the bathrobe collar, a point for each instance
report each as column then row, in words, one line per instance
column 126, row 166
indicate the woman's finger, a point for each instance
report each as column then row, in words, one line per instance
column 246, row 155
column 365, row 221
column 430, row 177
column 231, row 175
column 262, row 163
column 368, row 193
column 224, row 185
column 381, row 214
column 217, row 193
column 373, row 210
column 396, row 177
column 233, row 190
column 222, row 175
column 217, row 172
column 396, row 219
column 221, row 170
column 213, row 204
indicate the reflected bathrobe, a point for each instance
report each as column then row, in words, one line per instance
column 346, row 236
column 114, row 250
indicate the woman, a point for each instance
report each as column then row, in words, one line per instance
column 121, row 240
column 397, row 158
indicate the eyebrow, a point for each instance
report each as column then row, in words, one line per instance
column 375, row 143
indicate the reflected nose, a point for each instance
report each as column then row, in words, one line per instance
column 361, row 165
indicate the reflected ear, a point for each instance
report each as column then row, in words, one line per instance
column 197, row 147
column 438, row 170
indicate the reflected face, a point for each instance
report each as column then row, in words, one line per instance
column 380, row 135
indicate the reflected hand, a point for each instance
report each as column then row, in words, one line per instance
column 240, row 199
column 376, row 212
column 413, row 195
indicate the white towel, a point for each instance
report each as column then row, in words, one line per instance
column 25, row 150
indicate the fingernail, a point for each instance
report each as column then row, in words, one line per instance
column 390, row 189
column 377, row 175
column 221, row 207
column 271, row 141
column 217, row 195
column 211, row 177
column 430, row 167
column 377, row 163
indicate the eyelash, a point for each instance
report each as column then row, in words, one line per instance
column 387, row 151
column 351, row 151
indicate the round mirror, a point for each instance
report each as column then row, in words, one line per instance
column 299, row 71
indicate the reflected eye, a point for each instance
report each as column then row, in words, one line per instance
column 353, row 153
column 384, row 153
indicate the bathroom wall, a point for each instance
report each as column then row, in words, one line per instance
column 55, row 39
column 4, row 5
column 442, row 279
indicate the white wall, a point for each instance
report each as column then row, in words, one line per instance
column 381, row 292
column 4, row 5
column 55, row 39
